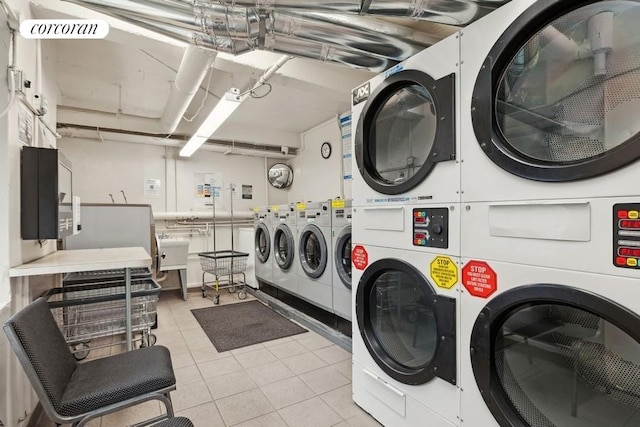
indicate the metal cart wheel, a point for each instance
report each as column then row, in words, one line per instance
column 231, row 289
column 242, row 294
column 216, row 299
column 204, row 293
column 148, row 341
column 80, row 351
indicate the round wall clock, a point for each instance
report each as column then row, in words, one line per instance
column 325, row 150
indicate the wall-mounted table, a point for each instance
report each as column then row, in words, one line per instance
column 70, row 261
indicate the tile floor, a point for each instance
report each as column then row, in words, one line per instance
column 303, row 380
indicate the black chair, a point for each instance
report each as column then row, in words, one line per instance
column 74, row 393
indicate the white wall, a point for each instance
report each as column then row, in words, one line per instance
column 100, row 168
column 36, row 61
column 315, row 178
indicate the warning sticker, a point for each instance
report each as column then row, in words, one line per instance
column 479, row 279
column 301, row 206
column 444, row 272
column 359, row 257
column 337, row 204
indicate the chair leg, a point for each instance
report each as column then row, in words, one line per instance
column 169, row 405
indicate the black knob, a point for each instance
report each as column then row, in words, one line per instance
column 324, row 208
column 437, row 229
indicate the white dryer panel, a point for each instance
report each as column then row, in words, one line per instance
column 395, row 227
column 442, row 183
column 483, row 180
column 574, row 234
column 540, row 375
column 372, row 385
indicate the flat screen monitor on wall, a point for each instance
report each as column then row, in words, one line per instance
column 46, row 194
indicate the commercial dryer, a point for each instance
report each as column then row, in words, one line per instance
column 341, row 250
column 284, row 247
column 264, row 226
column 405, row 147
column 315, row 261
column 549, row 223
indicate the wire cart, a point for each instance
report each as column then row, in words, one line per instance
column 85, row 312
column 223, row 265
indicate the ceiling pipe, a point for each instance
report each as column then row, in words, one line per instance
column 103, row 135
column 345, row 40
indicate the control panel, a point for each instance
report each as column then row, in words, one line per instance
column 431, row 227
column 626, row 235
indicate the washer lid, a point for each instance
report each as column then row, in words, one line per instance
column 409, row 330
column 559, row 95
column 406, row 127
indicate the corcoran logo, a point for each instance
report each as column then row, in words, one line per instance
column 64, row 29
column 361, row 94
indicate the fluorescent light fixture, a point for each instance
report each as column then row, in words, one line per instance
column 220, row 113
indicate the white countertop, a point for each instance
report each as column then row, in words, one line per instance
column 78, row 260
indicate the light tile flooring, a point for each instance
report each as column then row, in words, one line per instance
column 303, row 380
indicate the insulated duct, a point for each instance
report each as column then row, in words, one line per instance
column 337, row 38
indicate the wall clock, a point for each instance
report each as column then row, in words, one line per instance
column 325, row 150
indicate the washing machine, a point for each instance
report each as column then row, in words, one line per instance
column 284, row 248
column 315, row 260
column 263, row 225
column 341, row 250
column 549, row 128
column 405, row 361
column 405, row 146
column 549, row 348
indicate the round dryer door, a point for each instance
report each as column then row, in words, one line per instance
column 556, row 356
column 313, row 251
column 407, row 125
column 408, row 329
column 262, row 243
column 283, row 245
column 342, row 253
column 558, row 98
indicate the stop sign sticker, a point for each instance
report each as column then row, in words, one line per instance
column 479, row 279
column 359, row 257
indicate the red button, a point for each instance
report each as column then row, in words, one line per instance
column 621, row 261
column 623, row 214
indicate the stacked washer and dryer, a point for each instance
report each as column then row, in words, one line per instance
column 405, row 215
column 546, row 225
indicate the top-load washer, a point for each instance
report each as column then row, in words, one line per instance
column 405, row 148
column 284, row 248
column 341, row 252
column 263, row 225
column 315, row 261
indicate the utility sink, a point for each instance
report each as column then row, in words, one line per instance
column 172, row 253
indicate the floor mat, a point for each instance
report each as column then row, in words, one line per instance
column 241, row 324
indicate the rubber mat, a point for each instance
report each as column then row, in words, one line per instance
column 241, row 324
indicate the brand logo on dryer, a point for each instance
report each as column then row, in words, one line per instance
column 361, row 94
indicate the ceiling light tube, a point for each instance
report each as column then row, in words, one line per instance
column 220, row 113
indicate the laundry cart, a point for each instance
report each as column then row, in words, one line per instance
column 90, row 311
column 224, row 266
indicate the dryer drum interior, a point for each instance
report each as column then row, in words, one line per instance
column 407, row 328
column 407, row 126
column 560, row 101
column 555, row 356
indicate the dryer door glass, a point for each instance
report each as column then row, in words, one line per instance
column 345, row 261
column 283, row 245
column 573, row 91
column 567, row 367
column 262, row 243
column 313, row 251
column 402, row 322
column 403, row 133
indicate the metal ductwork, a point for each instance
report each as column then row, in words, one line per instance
column 294, row 28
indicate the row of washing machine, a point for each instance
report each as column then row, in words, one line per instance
column 305, row 250
column 496, row 224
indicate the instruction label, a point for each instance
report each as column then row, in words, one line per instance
column 301, row 206
column 337, row 204
column 444, row 272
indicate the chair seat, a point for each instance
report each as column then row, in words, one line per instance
column 101, row 382
column 175, row 422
